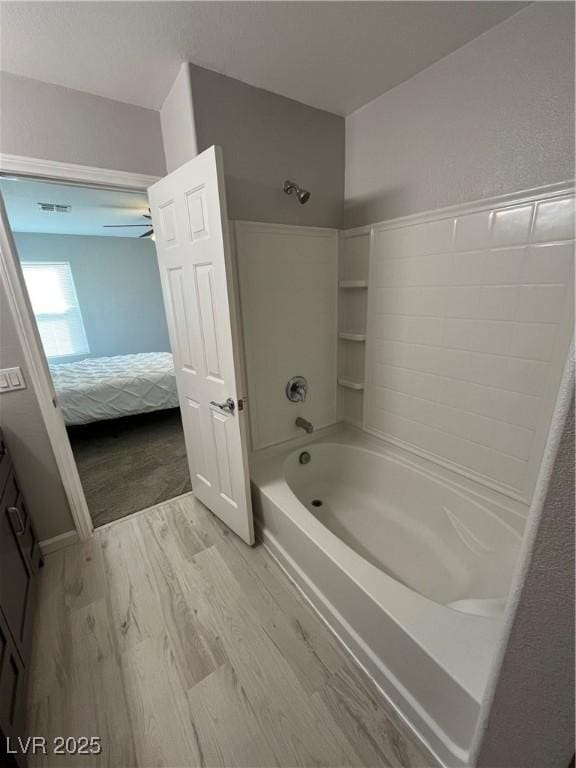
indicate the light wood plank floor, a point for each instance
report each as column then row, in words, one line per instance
column 180, row 646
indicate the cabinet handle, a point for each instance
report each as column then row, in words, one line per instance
column 14, row 512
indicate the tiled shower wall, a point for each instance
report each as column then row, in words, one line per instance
column 469, row 322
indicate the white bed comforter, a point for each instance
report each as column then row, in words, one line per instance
column 109, row 387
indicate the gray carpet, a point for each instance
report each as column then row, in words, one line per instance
column 131, row 463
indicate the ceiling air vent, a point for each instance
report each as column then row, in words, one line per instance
column 54, row 208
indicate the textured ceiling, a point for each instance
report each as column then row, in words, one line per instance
column 91, row 209
column 332, row 55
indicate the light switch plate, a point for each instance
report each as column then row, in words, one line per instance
column 11, row 379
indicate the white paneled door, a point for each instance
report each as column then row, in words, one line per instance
column 191, row 228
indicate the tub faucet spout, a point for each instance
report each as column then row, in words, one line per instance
column 305, row 425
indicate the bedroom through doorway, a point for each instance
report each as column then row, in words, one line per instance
column 91, row 273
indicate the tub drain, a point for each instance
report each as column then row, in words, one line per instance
column 316, row 502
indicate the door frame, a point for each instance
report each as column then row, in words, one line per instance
column 11, row 275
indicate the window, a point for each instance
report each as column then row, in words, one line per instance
column 55, row 304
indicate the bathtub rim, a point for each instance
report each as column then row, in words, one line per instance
column 514, row 512
column 486, row 506
column 444, row 750
column 425, row 728
column 479, row 635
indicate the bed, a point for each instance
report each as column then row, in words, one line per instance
column 101, row 388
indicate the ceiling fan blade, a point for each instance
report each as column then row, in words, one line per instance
column 147, row 234
column 147, row 216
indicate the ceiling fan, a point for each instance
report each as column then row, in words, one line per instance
column 148, row 216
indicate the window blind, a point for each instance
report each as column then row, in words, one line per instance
column 55, row 305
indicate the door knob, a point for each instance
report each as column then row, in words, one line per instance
column 226, row 407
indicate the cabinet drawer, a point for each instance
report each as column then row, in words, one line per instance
column 12, row 695
column 20, row 521
column 25, row 532
column 16, row 572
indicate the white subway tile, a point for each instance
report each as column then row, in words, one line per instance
column 401, row 242
column 443, row 268
column 411, row 382
column 452, row 363
column 403, row 405
column 431, row 301
column 503, row 267
column 491, row 336
column 469, row 268
column 396, row 426
column 506, row 469
column 421, row 358
column 418, row 330
column 438, row 236
column 467, row 321
column 472, row 231
column 533, row 340
column 426, row 330
column 512, row 407
column 465, row 453
column 456, row 333
column 420, row 270
column 540, row 303
column 511, row 225
column 554, row 221
column 488, row 370
column 461, row 301
column 548, row 264
column 390, row 271
column 453, row 392
column 469, row 426
column 513, row 440
column 516, row 374
column 496, row 302
column 527, row 376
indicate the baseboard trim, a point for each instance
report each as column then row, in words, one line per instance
column 59, row 542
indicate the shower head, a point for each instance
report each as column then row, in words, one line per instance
column 302, row 194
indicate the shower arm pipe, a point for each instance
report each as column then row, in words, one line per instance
column 303, row 195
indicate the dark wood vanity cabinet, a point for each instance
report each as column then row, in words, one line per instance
column 20, row 560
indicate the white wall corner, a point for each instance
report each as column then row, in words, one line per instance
column 177, row 121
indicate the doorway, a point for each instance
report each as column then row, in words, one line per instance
column 199, row 289
column 91, row 274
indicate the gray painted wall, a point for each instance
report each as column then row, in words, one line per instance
column 27, row 440
column 266, row 139
column 55, row 123
column 495, row 116
column 118, row 287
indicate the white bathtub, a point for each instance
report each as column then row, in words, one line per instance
column 409, row 566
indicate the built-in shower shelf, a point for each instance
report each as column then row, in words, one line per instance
column 350, row 383
column 353, row 283
column 352, row 336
